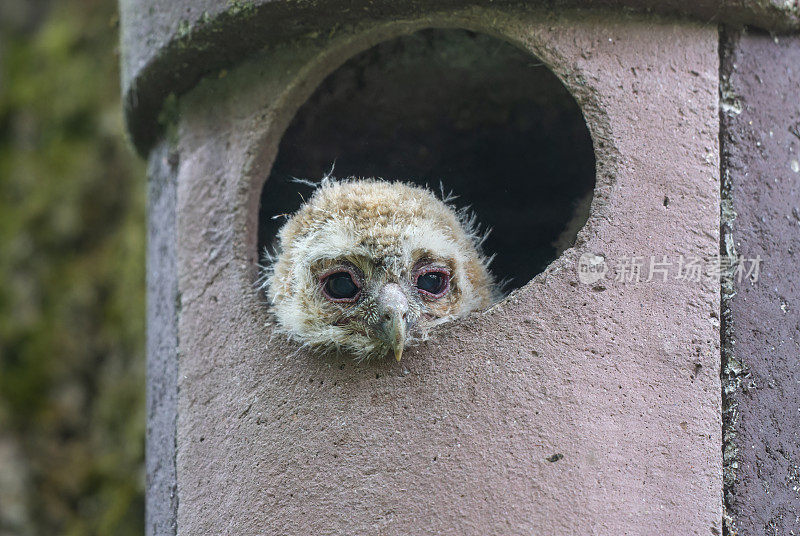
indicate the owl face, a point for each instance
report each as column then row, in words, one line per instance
column 368, row 267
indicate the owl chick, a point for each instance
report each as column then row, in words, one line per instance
column 368, row 266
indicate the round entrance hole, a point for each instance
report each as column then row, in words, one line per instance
column 480, row 117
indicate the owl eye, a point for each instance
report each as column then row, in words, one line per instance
column 340, row 287
column 434, row 283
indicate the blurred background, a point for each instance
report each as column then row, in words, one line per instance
column 72, row 197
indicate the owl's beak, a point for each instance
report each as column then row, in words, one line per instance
column 397, row 333
column 393, row 306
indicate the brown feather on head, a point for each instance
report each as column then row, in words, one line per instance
column 368, row 266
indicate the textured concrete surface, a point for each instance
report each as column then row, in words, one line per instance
column 162, row 344
column 761, row 140
column 566, row 409
column 168, row 45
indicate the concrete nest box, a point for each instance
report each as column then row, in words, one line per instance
column 588, row 401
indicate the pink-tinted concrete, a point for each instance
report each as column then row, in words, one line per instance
column 761, row 141
column 620, row 379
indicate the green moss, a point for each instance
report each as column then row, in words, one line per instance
column 240, row 7
column 72, row 265
column 184, row 28
column 168, row 118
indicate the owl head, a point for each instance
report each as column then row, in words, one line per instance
column 367, row 267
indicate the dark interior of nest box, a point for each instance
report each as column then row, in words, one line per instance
column 471, row 112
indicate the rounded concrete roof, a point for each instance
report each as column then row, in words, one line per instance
column 169, row 45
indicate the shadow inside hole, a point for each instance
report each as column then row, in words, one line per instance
column 483, row 118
